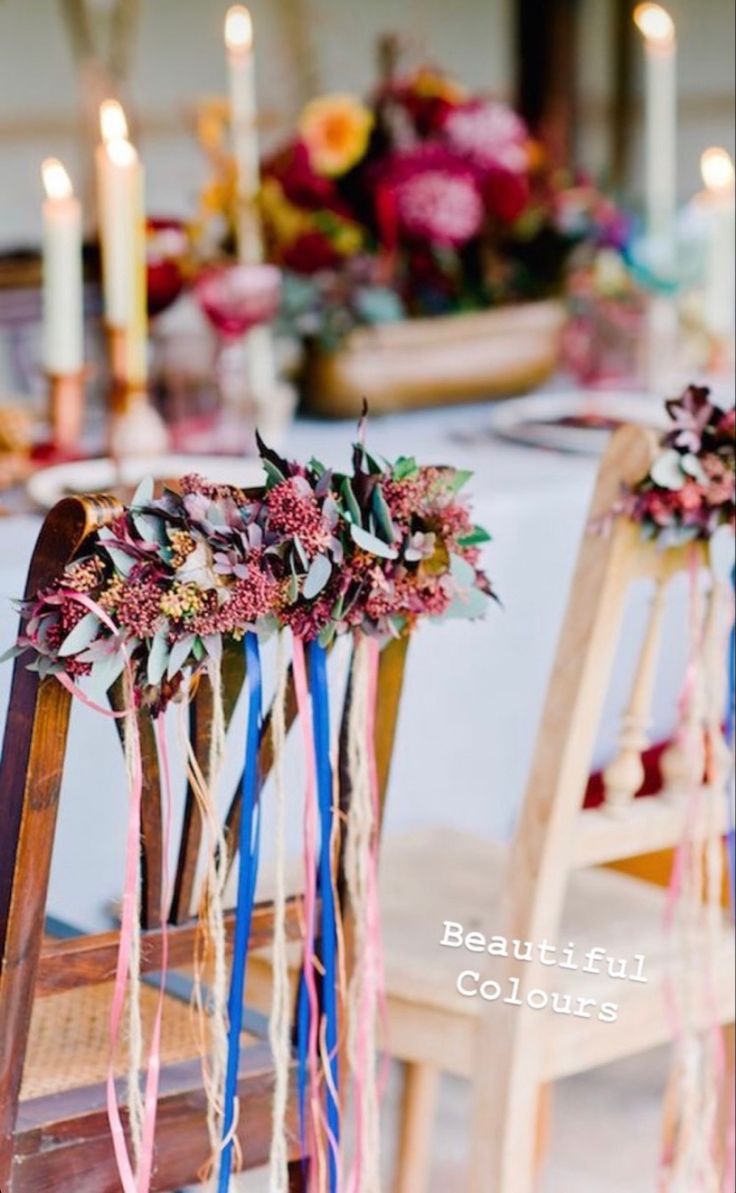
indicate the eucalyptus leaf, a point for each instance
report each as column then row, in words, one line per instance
column 382, row 514
column 470, row 604
column 103, row 675
column 370, row 542
column 122, row 562
column 327, row 634
column 692, row 466
column 351, row 502
column 667, row 471
column 144, row 494
column 460, row 479
column 320, row 570
column 179, row 654
column 462, row 572
column 158, row 658
column 303, row 557
column 12, row 653
column 84, row 632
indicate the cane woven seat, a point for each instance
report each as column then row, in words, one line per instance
column 69, row 1040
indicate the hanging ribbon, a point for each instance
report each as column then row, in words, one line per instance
column 280, row 1023
column 127, row 965
column 248, row 844
column 327, row 951
column 308, row 1004
column 366, row 995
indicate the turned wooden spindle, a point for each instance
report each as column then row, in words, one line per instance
column 625, row 774
column 683, row 762
column 715, row 663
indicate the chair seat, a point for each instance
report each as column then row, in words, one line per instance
column 70, row 1032
column 437, row 875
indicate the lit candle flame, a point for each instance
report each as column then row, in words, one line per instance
column 238, row 29
column 655, row 24
column 56, row 181
column 121, row 153
column 718, row 170
column 113, row 125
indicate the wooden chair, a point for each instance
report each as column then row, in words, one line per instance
column 55, row 994
column 552, row 885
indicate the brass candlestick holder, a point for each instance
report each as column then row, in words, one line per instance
column 66, row 409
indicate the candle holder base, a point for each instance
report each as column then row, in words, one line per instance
column 136, row 429
column 66, row 410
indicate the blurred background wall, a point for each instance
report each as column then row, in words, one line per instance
column 175, row 57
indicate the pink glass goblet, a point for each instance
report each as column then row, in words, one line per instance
column 236, row 299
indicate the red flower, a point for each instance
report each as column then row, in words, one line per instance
column 436, row 194
column 310, row 253
column 301, row 184
column 506, row 194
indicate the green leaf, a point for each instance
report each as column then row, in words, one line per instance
column 320, row 570
column 12, row 653
column 405, row 468
column 273, row 474
column 378, row 304
column 122, row 562
column 382, row 515
column 460, row 479
column 351, row 501
column 179, row 654
column 475, row 537
column 369, row 542
column 198, row 650
column 84, row 632
column 104, row 673
column 462, row 572
column 667, row 471
column 327, row 634
column 143, row 495
column 158, row 658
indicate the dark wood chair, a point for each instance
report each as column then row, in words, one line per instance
column 55, row 993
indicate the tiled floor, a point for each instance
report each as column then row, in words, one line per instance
column 604, row 1137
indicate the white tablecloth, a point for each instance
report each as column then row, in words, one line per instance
column 474, row 691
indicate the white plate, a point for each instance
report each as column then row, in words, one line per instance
column 537, row 421
column 49, row 485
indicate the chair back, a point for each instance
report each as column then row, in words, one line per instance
column 31, row 771
column 556, row 834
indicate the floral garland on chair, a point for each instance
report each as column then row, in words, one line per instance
column 687, row 496
column 689, row 490
column 153, row 599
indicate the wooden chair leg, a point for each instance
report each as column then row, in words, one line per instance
column 417, row 1123
column 727, row 1109
column 298, row 1176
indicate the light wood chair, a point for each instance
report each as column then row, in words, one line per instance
column 553, row 884
column 55, row 994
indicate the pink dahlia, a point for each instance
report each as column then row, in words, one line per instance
column 490, row 135
column 436, row 195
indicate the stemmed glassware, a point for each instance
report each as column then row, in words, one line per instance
column 236, row 299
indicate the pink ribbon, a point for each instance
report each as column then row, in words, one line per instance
column 129, row 1182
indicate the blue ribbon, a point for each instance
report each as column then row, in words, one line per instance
column 249, row 845
column 328, row 937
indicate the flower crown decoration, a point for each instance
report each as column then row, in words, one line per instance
column 690, row 490
column 379, row 549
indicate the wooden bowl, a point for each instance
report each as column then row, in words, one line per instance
column 430, row 362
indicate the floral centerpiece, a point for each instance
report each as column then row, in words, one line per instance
column 424, row 202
